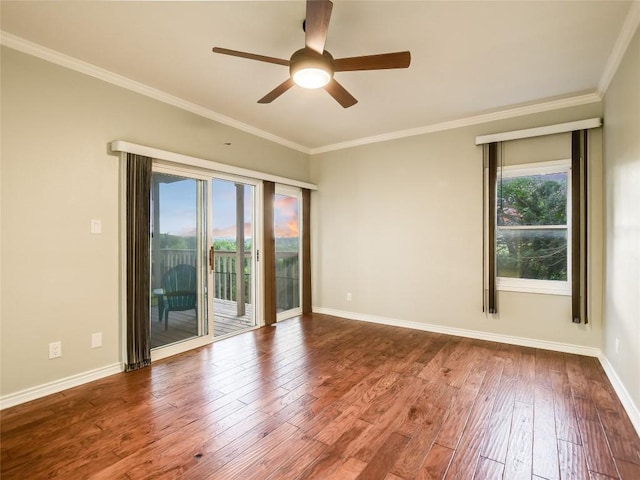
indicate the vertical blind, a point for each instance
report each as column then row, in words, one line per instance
column 578, row 226
column 306, row 250
column 138, row 210
column 269, row 254
column 493, row 171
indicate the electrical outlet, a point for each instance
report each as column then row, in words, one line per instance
column 617, row 345
column 349, row 297
column 55, row 350
column 96, row 340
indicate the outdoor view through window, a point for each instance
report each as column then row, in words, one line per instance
column 532, row 229
column 187, row 233
column 287, row 229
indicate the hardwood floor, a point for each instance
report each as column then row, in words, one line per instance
column 322, row 397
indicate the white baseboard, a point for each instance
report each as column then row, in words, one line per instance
column 461, row 332
column 56, row 386
column 621, row 391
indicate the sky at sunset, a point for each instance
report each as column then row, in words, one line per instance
column 286, row 216
column 178, row 210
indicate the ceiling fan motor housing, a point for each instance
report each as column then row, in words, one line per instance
column 305, row 59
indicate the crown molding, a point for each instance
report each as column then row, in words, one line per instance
column 17, row 43
column 520, row 111
column 30, row 48
column 622, row 43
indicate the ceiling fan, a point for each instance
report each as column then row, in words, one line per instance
column 313, row 66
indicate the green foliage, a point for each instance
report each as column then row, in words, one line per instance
column 287, row 244
column 224, row 245
column 535, row 254
column 536, row 200
column 229, row 245
column 177, row 242
column 533, row 200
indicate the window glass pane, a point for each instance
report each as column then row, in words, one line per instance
column 539, row 254
column 286, row 223
column 233, row 278
column 532, row 200
column 177, row 226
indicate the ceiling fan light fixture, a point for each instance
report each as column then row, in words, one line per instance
column 313, row 67
column 311, row 77
column 309, row 69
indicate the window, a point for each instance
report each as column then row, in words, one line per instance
column 533, row 228
column 287, row 217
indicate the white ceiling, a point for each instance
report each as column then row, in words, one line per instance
column 468, row 58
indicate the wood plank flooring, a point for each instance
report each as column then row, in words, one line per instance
column 319, row 397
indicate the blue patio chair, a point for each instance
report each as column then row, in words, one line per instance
column 178, row 291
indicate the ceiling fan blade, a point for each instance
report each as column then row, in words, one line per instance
column 340, row 94
column 317, row 24
column 373, row 62
column 251, row 56
column 276, row 92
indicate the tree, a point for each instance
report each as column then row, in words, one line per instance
column 177, row 242
column 533, row 200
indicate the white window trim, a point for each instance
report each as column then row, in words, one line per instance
column 538, row 168
column 528, row 285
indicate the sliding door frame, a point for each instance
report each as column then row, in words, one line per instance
column 208, row 167
column 295, row 192
column 257, row 285
column 200, row 340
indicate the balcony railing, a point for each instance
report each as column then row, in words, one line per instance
column 224, row 275
column 225, row 271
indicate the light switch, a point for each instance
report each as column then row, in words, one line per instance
column 96, row 226
column 96, row 340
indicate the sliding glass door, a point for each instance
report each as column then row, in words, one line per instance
column 233, row 252
column 287, row 230
column 204, row 251
column 178, row 310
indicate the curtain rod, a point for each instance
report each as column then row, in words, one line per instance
column 117, row 146
column 539, row 131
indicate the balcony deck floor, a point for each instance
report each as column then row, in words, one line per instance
column 182, row 325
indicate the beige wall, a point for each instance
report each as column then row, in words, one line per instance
column 399, row 225
column 622, row 213
column 59, row 282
